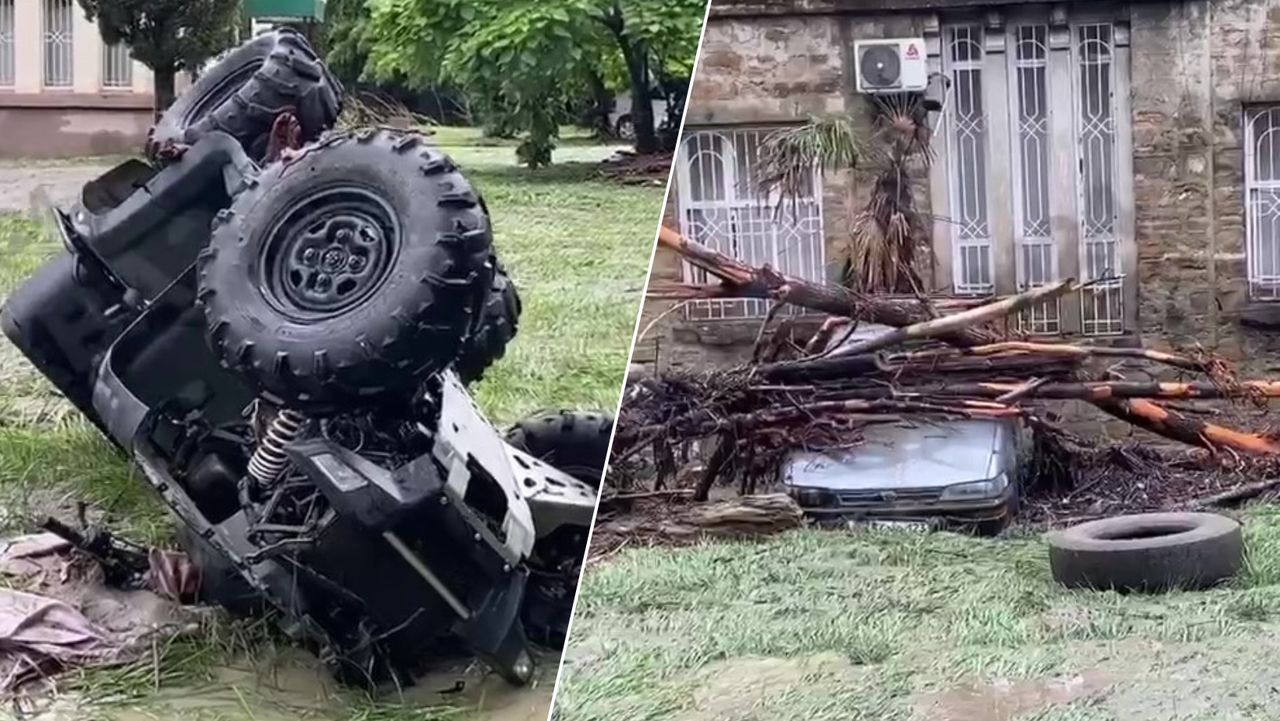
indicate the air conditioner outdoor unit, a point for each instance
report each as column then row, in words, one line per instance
column 894, row 65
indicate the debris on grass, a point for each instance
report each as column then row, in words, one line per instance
column 627, row 168
column 942, row 361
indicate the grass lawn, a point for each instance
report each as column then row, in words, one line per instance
column 890, row 625
column 578, row 248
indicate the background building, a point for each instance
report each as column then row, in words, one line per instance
column 1138, row 138
column 63, row 91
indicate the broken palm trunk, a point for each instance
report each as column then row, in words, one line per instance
column 942, row 360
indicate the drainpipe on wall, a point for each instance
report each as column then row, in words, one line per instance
column 1211, row 227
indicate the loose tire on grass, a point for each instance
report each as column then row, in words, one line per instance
column 343, row 277
column 496, row 327
column 247, row 88
column 1148, row 552
column 577, row 443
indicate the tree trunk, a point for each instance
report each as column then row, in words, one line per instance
column 601, row 106
column 641, row 101
column 739, row 280
column 1192, row 431
column 164, row 88
column 636, row 56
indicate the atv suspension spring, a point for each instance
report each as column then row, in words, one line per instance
column 269, row 459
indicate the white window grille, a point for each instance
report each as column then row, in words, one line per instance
column 1037, row 255
column 1262, row 197
column 722, row 206
column 1058, row 153
column 57, row 21
column 1101, row 311
column 971, row 249
column 6, row 43
column 117, row 66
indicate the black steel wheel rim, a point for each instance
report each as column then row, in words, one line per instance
column 330, row 250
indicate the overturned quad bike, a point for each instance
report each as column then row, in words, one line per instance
column 278, row 322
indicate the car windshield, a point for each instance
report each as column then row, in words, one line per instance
column 903, row 456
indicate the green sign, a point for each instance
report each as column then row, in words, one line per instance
column 286, row 9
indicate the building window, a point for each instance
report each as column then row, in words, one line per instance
column 1262, row 200
column 1037, row 255
column 971, row 250
column 1006, row 126
column 117, row 66
column 57, row 19
column 1101, row 305
column 6, row 43
column 721, row 206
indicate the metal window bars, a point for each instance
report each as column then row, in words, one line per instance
column 1101, row 305
column 1036, row 255
column 117, row 66
column 57, row 21
column 6, row 43
column 721, row 206
column 1262, row 197
column 968, row 156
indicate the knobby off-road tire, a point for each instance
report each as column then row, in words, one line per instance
column 496, row 327
column 1149, row 552
column 247, row 88
column 576, row 443
column 344, row 276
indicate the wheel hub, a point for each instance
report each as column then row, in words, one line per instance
column 329, row 253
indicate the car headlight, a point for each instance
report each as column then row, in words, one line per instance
column 976, row 490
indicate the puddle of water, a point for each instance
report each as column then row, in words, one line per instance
column 1004, row 700
column 296, row 687
column 740, row 683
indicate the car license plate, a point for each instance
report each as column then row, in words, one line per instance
column 914, row 526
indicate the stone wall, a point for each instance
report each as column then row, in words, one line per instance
column 766, row 72
column 1196, row 65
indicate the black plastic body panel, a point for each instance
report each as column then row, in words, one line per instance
column 154, row 234
column 61, row 326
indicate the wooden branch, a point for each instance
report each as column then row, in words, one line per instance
column 741, row 517
column 1086, row 390
column 1235, row 495
column 739, row 280
column 953, row 324
column 1192, row 431
column 1082, row 351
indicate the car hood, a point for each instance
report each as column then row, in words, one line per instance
column 902, row 456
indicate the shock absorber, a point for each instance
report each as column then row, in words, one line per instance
column 268, row 460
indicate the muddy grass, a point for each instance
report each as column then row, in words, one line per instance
column 577, row 246
column 893, row 625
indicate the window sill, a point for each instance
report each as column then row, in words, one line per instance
column 1261, row 315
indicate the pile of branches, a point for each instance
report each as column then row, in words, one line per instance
column 941, row 360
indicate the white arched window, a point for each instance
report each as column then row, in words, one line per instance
column 721, row 206
column 1262, row 189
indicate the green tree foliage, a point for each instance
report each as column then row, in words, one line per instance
column 167, row 35
column 524, row 63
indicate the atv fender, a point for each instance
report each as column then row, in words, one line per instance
column 151, row 236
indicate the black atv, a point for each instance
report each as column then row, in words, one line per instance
column 277, row 321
